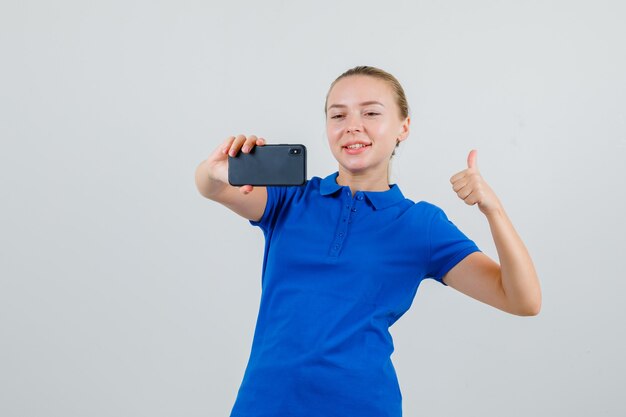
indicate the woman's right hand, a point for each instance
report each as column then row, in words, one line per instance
column 218, row 160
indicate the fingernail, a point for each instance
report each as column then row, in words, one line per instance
column 245, row 149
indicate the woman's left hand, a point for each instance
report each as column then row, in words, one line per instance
column 470, row 186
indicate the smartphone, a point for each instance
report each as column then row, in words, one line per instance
column 269, row 165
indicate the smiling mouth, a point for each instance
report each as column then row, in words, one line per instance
column 356, row 146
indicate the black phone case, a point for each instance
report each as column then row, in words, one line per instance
column 269, row 165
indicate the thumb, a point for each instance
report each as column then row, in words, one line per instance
column 472, row 159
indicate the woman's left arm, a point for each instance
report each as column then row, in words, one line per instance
column 513, row 285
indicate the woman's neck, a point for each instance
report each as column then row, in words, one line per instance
column 362, row 182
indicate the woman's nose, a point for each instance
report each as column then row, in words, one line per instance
column 354, row 124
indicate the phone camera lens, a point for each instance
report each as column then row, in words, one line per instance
column 294, row 151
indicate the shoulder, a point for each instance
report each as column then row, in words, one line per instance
column 425, row 209
column 423, row 214
column 314, row 183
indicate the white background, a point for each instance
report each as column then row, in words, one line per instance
column 123, row 292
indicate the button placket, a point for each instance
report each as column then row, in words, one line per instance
column 357, row 198
column 348, row 211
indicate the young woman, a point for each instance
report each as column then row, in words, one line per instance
column 344, row 256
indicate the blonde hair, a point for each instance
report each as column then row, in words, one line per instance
column 401, row 101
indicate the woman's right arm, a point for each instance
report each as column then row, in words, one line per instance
column 212, row 179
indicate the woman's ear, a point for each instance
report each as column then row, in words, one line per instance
column 404, row 129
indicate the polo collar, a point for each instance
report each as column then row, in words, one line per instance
column 379, row 199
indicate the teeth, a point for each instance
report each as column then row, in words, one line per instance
column 356, row 146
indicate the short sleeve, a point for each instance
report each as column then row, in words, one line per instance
column 276, row 199
column 448, row 246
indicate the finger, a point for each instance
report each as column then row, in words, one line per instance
column 221, row 150
column 246, row 189
column 458, row 176
column 260, row 142
column 226, row 145
column 249, row 144
column 236, row 145
column 472, row 159
column 464, row 192
column 472, row 198
column 457, row 185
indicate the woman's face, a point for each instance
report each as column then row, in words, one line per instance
column 363, row 124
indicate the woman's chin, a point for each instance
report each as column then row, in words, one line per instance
column 355, row 167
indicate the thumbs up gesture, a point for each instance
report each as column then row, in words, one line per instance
column 472, row 189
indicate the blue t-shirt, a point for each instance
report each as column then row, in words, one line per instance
column 338, row 271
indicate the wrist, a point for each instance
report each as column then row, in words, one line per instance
column 494, row 212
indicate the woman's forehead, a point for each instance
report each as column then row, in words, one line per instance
column 360, row 89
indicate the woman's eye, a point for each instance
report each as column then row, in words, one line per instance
column 371, row 113
column 337, row 116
